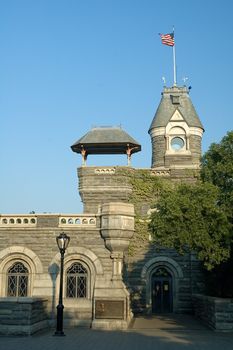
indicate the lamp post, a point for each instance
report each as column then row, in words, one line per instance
column 62, row 242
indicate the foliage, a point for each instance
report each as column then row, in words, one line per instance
column 219, row 281
column 217, row 168
column 146, row 188
column 188, row 218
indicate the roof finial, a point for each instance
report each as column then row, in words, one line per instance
column 184, row 79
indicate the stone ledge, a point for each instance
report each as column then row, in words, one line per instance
column 216, row 313
column 23, row 316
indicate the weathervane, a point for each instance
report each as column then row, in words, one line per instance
column 185, row 79
column 164, row 80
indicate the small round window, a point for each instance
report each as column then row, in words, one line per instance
column 177, row 143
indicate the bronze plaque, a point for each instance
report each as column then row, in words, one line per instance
column 109, row 309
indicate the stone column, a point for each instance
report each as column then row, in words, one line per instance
column 111, row 300
column 117, row 228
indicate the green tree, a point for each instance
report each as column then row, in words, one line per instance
column 188, row 218
column 217, row 168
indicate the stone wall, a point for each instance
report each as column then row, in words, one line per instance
column 100, row 241
column 158, row 151
column 23, row 316
column 100, row 185
column 97, row 242
column 195, row 147
column 163, row 156
column 216, row 313
column 185, row 270
column 32, row 240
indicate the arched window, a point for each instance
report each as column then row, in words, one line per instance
column 17, row 280
column 76, row 281
column 177, row 138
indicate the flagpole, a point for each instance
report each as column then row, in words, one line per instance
column 174, row 59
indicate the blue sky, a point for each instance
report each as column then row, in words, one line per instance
column 69, row 65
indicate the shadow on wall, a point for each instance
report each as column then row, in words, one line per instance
column 53, row 272
column 161, row 280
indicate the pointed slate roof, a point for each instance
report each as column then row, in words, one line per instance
column 175, row 98
column 106, row 140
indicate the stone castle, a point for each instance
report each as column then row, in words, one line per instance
column 104, row 285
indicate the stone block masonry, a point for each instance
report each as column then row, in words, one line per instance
column 23, row 316
column 216, row 313
column 99, row 185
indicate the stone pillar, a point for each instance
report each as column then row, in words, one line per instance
column 117, row 228
column 111, row 299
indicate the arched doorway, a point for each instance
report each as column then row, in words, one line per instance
column 161, row 291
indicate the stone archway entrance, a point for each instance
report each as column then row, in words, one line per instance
column 161, row 291
column 163, row 273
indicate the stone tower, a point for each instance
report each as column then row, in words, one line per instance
column 176, row 133
column 101, row 185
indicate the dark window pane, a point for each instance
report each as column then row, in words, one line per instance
column 76, row 281
column 17, row 280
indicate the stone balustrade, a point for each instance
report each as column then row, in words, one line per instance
column 79, row 220
column 18, row 220
column 33, row 220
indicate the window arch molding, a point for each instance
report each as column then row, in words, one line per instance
column 177, row 138
column 81, row 253
column 180, row 124
column 88, row 265
column 74, row 254
column 9, row 263
column 13, row 254
column 18, row 279
column 86, row 277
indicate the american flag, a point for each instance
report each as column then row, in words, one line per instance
column 168, row 39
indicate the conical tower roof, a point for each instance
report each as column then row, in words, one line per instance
column 175, row 98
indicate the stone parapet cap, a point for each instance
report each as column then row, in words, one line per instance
column 195, row 166
column 118, row 208
column 102, row 170
column 101, row 188
column 22, row 300
column 212, row 299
